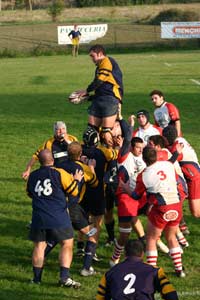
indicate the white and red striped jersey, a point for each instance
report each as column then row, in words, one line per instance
column 166, row 114
column 188, row 153
column 165, row 154
column 159, row 181
column 146, row 133
column 129, row 167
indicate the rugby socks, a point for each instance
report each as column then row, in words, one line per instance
column 90, row 250
column 64, row 274
column 37, row 272
column 152, row 257
column 49, row 247
column 110, row 230
column 183, row 227
column 175, row 254
column 118, row 250
column 182, row 240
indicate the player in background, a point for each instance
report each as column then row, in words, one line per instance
column 107, row 89
column 48, row 187
column 75, row 37
column 57, row 145
column 134, row 279
column 145, row 129
column 159, row 181
column 165, row 113
column 190, row 167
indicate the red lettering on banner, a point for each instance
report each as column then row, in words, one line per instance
column 185, row 30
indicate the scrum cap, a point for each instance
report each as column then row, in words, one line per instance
column 90, row 137
column 143, row 112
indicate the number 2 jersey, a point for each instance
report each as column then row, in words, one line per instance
column 48, row 187
column 133, row 279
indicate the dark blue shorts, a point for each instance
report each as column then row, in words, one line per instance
column 103, row 106
column 94, row 202
column 78, row 217
column 57, row 235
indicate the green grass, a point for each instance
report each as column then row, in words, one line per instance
column 33, row 93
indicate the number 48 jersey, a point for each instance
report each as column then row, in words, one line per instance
column 48, row 188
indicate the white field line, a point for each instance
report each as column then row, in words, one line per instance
column 167, row 64
column 195, row 81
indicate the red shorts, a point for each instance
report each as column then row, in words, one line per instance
column 166, row 215
column 127, row 206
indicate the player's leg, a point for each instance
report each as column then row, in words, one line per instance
column 38, row 236
column 152, row 235
column 174, row 249
column 38, row 260
column 195, row 207
column 124, row 232
column 139, row 229
column 65, row 238
column 90, row 250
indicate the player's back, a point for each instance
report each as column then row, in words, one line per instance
column 132, row 279
column 160, row 180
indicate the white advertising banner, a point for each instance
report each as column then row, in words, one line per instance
column 88, row 33
column 180, row 30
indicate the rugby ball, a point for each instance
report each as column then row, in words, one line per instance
column 76, row 98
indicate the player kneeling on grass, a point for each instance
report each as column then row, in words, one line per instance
column 134, row 279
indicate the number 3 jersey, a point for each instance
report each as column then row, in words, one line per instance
column 159, row 181
column 48, row 188
column 133, row 279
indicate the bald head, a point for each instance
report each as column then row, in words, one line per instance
column 45, row 158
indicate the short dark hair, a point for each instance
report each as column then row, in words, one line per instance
column 158, row 140
column 170, row 133
column 156, row 92
column 134, row 248
column 149, row 155
column 97, row 49
column 136, row 139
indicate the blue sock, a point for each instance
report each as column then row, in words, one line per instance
column 90, row 250
column 49, row 247
column 64, row 273
column 37, row 272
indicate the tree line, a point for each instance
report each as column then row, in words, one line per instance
column 43, row 4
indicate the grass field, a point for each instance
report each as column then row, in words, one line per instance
column 33, row 93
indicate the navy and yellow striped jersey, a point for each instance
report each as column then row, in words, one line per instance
column 48, row 188
column 89, row 178
column 108, row 79
column 58, row 148
column 133, row 279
